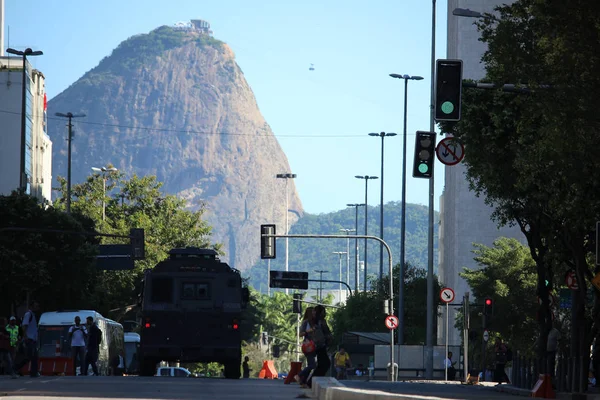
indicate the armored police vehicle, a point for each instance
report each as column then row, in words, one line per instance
column 191, row 308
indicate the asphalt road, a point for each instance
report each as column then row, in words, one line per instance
column 133, row 387
column 445, row 390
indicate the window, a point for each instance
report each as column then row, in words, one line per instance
column 164, row 372
column 162, row 290
column 195, row 291
column 180, row 372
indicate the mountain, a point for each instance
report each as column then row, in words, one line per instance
column 309, row 255
column 174, row 103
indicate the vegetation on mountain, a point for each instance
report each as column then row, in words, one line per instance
column 532, row 156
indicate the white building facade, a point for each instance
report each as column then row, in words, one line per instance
column 465, row 218
column 38, row 149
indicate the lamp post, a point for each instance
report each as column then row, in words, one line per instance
column 382, row 135
column 403, row 222
column 355, row 244
column 366, row 178
column 287, row 177
column 104, row 171
column 70, row 116
column 24, row 54
column 347, row 231
column 321, row 271
column 340, row 253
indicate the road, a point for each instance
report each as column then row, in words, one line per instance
column 133, row 387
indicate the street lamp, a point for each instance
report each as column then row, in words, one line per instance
column 70, row 116
column 340, row 253
column 347, row 231
column 104, row 171
column 465, row 12
column 321, row 271
column 403, row 222
column 287, row 177
column 366, row 178
column 382, row 135
column 24, row 54
column 355, row 244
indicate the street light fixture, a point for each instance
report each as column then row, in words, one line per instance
column 340, row 253
column 465, row 12
column 70, row 116
column 366, row 178
column 403, row 222
column 355, row 244
column 104, row 171
column 287, row 177
column 27, row 52
column 382, row 135
column 347, row 231
column 321, row 271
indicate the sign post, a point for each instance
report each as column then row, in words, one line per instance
column 447, row 296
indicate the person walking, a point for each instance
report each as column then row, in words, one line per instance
column 246, row 368
column 449, row 365
column 13, row 330
column 501, row 351
column 322, row 338
column 94, row 340
column 308, row 345
column 77, row 336
column 5, row 349
column 30, row 339
column 551, row 349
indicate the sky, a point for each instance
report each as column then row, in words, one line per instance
column 321, row 118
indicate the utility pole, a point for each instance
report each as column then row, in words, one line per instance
column 70, row 116
column 321, row 271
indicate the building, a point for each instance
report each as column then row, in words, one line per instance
column 465, row 218
column 38, row 150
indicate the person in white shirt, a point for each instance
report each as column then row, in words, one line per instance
column 78, row 335
column 449, row 365
column 30, row 338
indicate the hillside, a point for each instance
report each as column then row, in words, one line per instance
column 175, row 104
column 317, row 254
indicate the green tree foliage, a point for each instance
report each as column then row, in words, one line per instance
column 533, row 155
column 310, row 254
column 55, row 269
column 508, row 275
column 363, row 312
column 137, row 202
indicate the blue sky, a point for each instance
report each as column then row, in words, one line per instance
column 322, row 117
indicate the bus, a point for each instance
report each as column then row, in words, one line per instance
column 132, row 348
column 53, row 338
column 191, row 307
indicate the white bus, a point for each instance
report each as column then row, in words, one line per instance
column 54, row 330
column 132, row 347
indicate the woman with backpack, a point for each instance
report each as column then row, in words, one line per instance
column 321, row 335
column 308, row 345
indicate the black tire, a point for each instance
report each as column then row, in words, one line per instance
column 147, row 367
column 232, row 369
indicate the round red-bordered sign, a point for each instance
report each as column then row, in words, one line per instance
column 571, row 280
column 450, row 151
column 391, row 322
column 447, row 295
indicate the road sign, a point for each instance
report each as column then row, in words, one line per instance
column 596, row 281
column 450, row 151
column 391, row 322
column 447, row 295
column 486, row 336
column 571, row 280
column 288, row 280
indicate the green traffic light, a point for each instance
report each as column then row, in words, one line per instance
column 447, row 107
column 423, row 168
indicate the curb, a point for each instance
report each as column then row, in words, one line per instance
column 527, row 393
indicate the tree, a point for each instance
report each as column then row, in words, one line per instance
column 53, row 268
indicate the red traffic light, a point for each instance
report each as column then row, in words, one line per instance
column 488, row 302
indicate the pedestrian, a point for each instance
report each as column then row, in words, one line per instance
column 94, row 340
column 30, row 339
column 77, row 336
column 246, row 367
column 308, row 345
column 551, row 349
column 5, row 349
column 501, row 351
column 322, row 338
column 449, row 365
column 13, row 330
column 342, row 362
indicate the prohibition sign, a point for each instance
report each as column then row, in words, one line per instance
column 447, row 295
column 450, row 151
column 391, row 322
column 571, row 281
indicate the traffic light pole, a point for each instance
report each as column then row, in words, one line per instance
column 483, row 348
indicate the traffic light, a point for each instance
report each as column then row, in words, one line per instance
column 424, row 155
column 448, row 90
column 276, row 351
column 297, row 308
column 267, row 244
column 138, row 244
column 265, row 338
column 488, row 306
